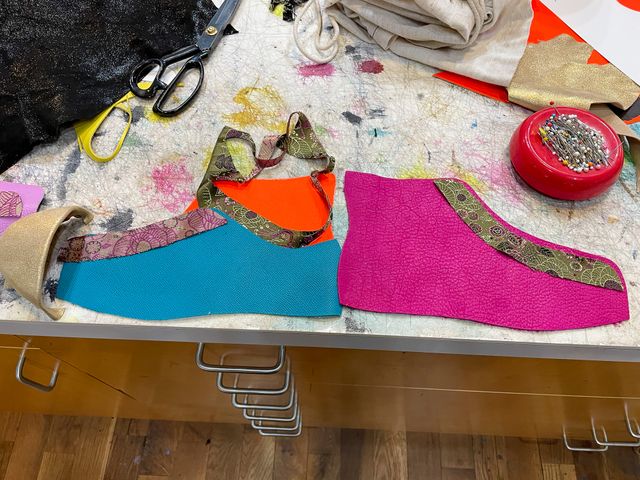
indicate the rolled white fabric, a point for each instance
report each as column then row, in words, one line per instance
column 481, row 39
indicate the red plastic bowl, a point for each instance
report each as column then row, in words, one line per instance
column 539, row 168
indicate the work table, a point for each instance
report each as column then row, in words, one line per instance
column 399, row 123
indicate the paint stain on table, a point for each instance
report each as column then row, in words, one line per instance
column 307, row 70
column 172, row 185
column 371, row 66
column 262, row 106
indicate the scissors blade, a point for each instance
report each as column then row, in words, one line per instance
column 215, row 29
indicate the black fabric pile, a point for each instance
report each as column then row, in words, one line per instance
column 63, row 61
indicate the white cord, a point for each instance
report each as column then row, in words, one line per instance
column 326, row 50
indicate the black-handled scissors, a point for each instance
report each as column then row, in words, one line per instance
column 206, row 42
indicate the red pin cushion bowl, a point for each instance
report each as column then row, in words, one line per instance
column 541, row 169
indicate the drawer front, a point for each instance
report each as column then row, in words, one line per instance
column 161, row 376
column 10, row 341
column 75, row 393
column 466, row 372
column 536, row 416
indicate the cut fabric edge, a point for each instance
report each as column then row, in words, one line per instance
column 538, row 243
column 140, row 240
column 486, row 321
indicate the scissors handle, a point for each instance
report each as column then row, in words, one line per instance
column 194, row 62
column 160, row 64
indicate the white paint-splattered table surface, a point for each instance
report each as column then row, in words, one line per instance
column 375, row 113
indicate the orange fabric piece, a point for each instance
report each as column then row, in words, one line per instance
column 633, row 120
column 490, row 90
column 289, row 202
column 632, row 4
column 545, row 25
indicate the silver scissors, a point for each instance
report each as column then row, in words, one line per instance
column 206, row 42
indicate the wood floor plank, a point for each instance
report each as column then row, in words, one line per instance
column 26, row 455
column 356, row 454
column 501, row 456
column 290, row 460
column 456, row 451
column 125, row 454
column 390, row 455
column 555, row 471
column 9, row 424
column 90, row 459
column 138, row 427
column 225, row 450
column 70, row 448
column 622, row 463
column 523, row 459
column 423, row 456
column 554, row 451
column 590, row 466
column 64, row 435
column 5, row 454
column 557, row 461
column 486, row 459
column 159, row 448
column 257, row 455
column 459, row 474
column 56, row 466
column 323, row 461
column 190, row 460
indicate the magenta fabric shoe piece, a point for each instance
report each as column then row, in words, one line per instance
column 432, row 247
column 16, row 201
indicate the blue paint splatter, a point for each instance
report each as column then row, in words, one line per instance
column 378, row 132
column 634, row 254
column 474, row 124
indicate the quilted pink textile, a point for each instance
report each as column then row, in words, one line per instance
column 408, row 251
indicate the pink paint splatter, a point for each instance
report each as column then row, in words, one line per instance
column 371, row 66
column 316, row 70
column 173, row 185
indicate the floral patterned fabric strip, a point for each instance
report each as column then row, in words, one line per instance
column 300, row 141
column 544, row 259
column 131, row 242
column 10, row 204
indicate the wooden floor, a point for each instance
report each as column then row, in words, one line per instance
column 68, row 448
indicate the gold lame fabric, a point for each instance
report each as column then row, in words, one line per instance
column 24, row 252
column 557, row 71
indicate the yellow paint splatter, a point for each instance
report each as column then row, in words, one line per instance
column 263, row 107
column 463, row 174
column 279, row 10
column 417, row 170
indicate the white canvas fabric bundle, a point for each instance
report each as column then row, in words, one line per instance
column 481, row 39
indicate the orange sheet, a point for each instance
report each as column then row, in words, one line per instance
column 544, row 26
column 289, row 202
